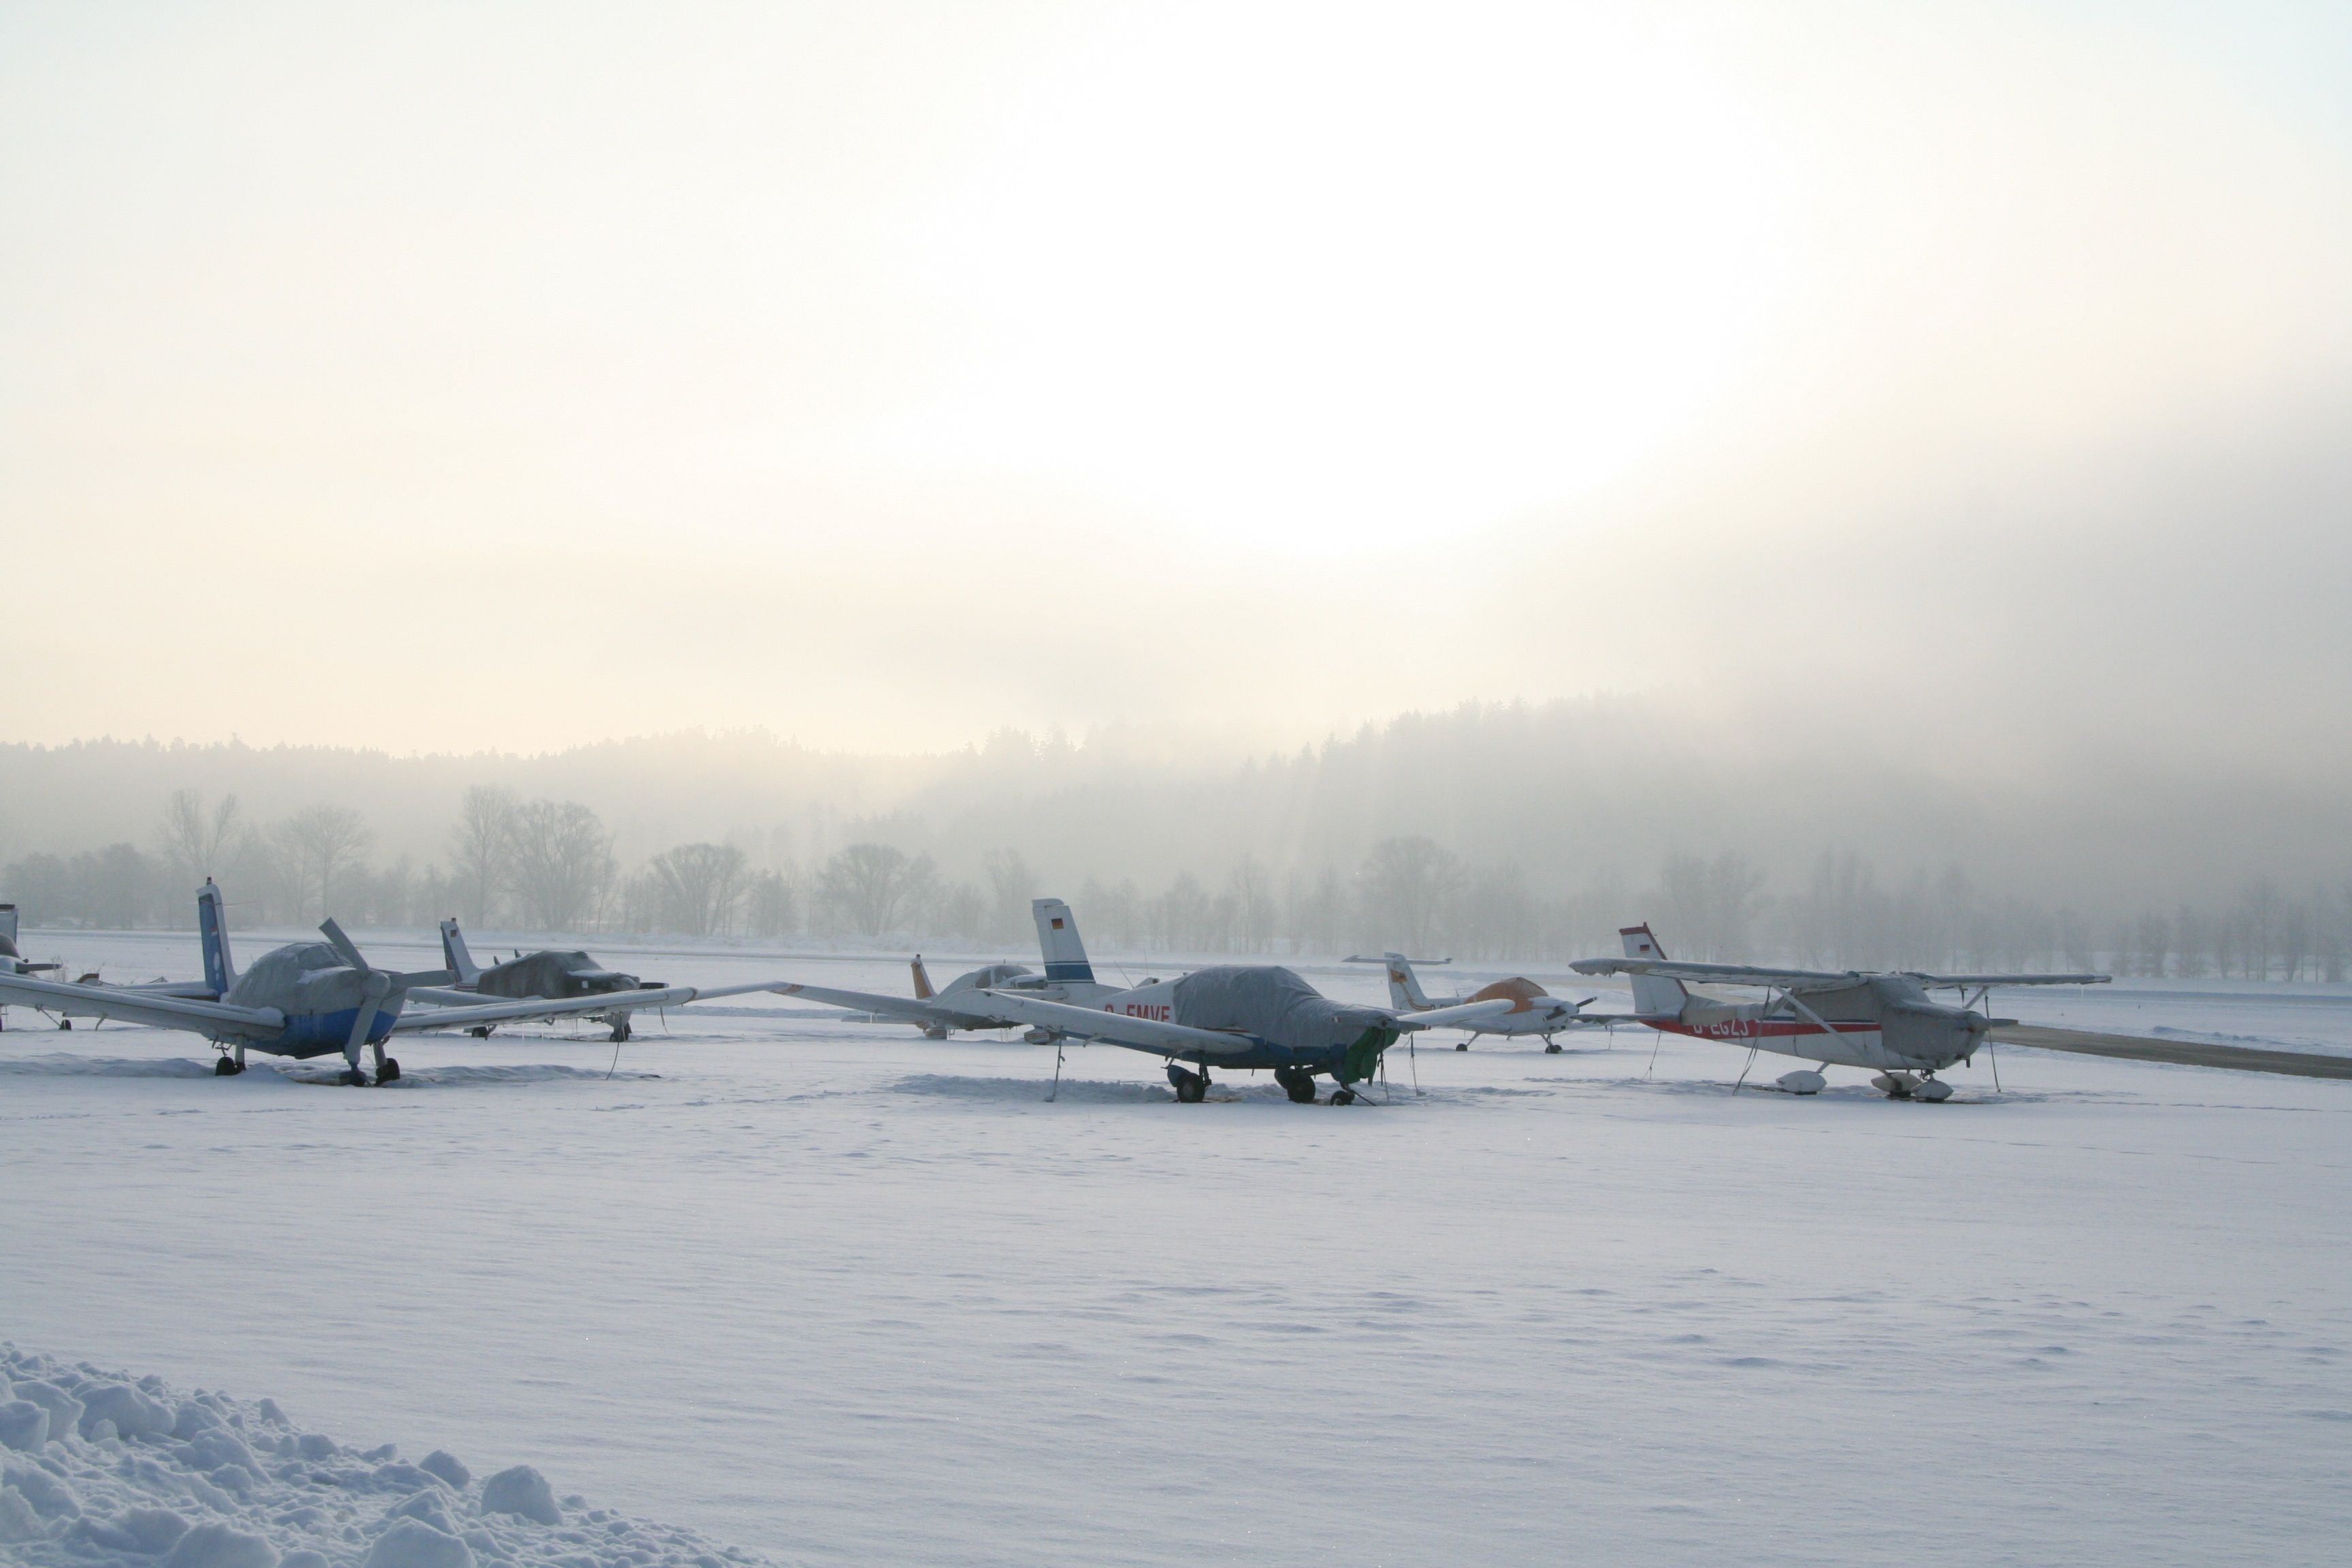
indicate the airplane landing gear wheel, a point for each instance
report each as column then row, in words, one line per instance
column 1343, row 1095
column 352, row 1078
column 1191, row 1087
column 1300, row 1086
column 227, row 1067
column 620, row 1029
column 480, row 1031
column 65, row 1022
column 1462, row 1044
column 1551, row 1047
column 388, row 1073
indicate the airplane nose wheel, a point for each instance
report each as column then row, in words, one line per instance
column 1343, row 1096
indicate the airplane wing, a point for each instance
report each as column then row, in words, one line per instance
column 907, row 1007
column 1718, row 973
column 2187, row 1053
column 140, row 1008
column 1137, row 1034
column 1455, row 1017
column 1970, row 981
column 569, row 1006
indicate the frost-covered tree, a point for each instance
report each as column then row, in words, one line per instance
column 699, row 887
column 318, row 845
column 874, row 886
column 562, row 864
column 481, row 851
column 1405, row 887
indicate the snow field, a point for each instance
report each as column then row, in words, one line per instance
column 845, row 1295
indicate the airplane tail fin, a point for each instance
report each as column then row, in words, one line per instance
column 1057, row 938
column 212, row 929
column 1405, row 994
column 455, row 955
column 923, row 992
column 1655, row 995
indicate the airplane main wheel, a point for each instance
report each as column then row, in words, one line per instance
column 1461, row 1046
column 1300, row 1086
column 353, row 1077
column 1343, row 1097
column 388, row 1073
column 1551, row 1047
column 480, row 1031
column 65, row 1022
column 1191, row 1087
column 226, row 1067
column 620, row 1029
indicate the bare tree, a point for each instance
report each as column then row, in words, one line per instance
column 192, row 839
column 562, row 863
column 701, row 885
column 481, row 851
column 320, row 843
column 1406, row 885
column 772, row 904
column 875, row 886
column 1013, row 884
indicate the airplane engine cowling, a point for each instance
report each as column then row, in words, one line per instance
column 1928, row 1035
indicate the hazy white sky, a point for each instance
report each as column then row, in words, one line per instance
column 443, row 377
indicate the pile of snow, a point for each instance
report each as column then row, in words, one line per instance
column 95, row 1466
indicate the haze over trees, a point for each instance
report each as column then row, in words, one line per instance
column 1524, row 835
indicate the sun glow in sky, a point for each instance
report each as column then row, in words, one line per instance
column 885, row 374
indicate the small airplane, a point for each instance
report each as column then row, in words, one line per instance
column 1534, row 1011
column 966, row 1003
column 1244, row 1017
column 306, row 999
column 550, row 974
column 1881, row 1021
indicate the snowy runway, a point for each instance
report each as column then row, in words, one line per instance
column 839, row 1294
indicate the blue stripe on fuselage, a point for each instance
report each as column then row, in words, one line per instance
column 1066, row 971
column 322, row 1034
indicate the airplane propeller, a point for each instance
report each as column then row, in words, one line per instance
column 377, row 987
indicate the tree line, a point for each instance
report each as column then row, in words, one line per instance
column 547, row 864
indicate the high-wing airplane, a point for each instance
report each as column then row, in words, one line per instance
column 1534, row 1010
column 1884, row 1022
column 308, row 999
column 1242, row 1016
column 967, row 1003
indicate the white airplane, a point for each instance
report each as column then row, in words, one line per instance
column 965, row 1004
column 1884, row 1022
column 306, row 999
column 1534, row 1010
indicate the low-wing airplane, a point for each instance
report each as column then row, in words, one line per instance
column 1243, row 1016
column 1534, row 1010
column 1881, row 1021
column 966, row 1003
column 306, row 999
column 555, row 975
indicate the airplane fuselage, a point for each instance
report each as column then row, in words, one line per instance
column 1884, row 1022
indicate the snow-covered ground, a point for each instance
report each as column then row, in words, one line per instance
column 835, row 1293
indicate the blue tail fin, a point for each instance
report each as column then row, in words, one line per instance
column 1057, row 938
column 211, row 925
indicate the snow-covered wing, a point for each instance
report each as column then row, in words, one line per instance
column 545, row 1007
column 905, row 1008
column 1140, row 1033
column 140, row 1007
column 1970, row 981
column 1455, row 1017
column 1718, row 973
column 601, row 1005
